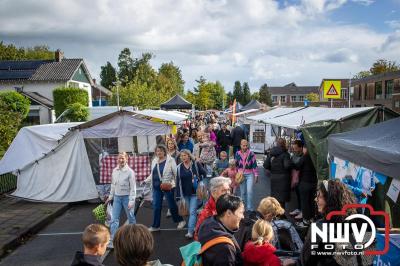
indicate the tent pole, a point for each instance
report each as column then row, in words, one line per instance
column 148, row 148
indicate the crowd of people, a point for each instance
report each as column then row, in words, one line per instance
column 207, row 174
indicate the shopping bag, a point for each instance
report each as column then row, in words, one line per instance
column 183, row 209
column 99, row 213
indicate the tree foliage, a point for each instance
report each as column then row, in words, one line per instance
column 77, row 112
column 207, row 95
column 238, row 91
column 13, row 109
column 265, row 95
column 11, row 52
column 378, row 67
column 141, row 85
column 312, row 97
column 246, row 94
column 255, row 96
column 383, row 66
column 108, row 75
column 66, row 96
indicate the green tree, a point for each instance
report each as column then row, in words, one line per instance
column 77, row 112
column 229, row 98
column 170, row 76
column 65, row 96
column 246, row 94
column 362, row 74
column 238, row 92
column 265, row 95
column 382, row 66
column 312, row 97
column 255, row 96
column 125, row 66
column 108, row 75
column 13, row 110
column 11, row 52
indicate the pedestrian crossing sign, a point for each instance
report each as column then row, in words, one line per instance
column 332, row 89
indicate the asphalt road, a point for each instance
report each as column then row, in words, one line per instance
column 57, row 243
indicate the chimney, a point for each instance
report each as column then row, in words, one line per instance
column 59, row 55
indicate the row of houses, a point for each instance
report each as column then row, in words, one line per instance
column 36, row 79
column 376, row 90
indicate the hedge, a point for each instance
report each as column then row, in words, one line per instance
column 64, row 97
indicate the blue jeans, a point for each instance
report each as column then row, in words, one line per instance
column 246, row 191
column 192, row 201
column 119, row 203
column 158, row 196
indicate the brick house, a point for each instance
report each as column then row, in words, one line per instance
column 291, row 94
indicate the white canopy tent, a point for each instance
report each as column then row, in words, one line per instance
column 308, row 115
column 31, row 143
column 63, row 173
column 164, row 115
column 274, row 113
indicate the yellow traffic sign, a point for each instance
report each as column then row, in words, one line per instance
column 332, row 89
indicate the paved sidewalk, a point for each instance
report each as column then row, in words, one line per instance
column 19, row 219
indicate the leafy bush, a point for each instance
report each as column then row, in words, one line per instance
column 65, row 96
column 77, row 112
column 13, row 109
column 15, row 102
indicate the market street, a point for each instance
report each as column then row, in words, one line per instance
column 57, row 243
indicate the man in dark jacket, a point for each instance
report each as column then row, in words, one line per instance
column 224, row 139
column 230, row 211
column 237, row 135
column 280, row 165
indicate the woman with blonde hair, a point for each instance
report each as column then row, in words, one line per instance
column 172, row 149
column 259, row 250
column 269, row 210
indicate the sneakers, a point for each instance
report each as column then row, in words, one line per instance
column 299, row 216
column 181, row 224
column 110, row 245
column 154, row 229
column 168, row 213
column 295, row 212
column 189, row 235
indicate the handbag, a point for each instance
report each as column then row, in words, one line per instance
column 99, row 213
column 164, row 186
column 239, row 177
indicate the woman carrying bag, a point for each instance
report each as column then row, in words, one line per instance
column 162, row 177
column 246, row 165
column 189, row 175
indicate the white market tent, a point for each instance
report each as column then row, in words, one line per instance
column 303, row 116
column 63, row 173
column 164, row 115
column 274, row 113
column 34, row 141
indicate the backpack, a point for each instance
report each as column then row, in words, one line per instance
column 191, row 253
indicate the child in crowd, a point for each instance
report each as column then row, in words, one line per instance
column 260, row 251
column 231, row 172
column 95, row 239
column 221, row 164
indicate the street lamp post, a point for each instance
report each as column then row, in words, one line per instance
column 116, row 84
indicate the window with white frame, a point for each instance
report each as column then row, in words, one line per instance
column 293, row 98
column 283, row 99
column 274, row 99
column 301, row 98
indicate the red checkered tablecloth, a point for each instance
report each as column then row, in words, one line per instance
column 139, row 164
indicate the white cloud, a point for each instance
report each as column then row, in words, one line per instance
column 256, row 40
column 364, row 2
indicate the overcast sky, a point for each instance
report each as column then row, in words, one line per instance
column 258, row 41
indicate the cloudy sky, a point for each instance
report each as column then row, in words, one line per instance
column 258, row 41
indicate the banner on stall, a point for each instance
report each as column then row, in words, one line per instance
column 393, row 256
column 359, row 179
